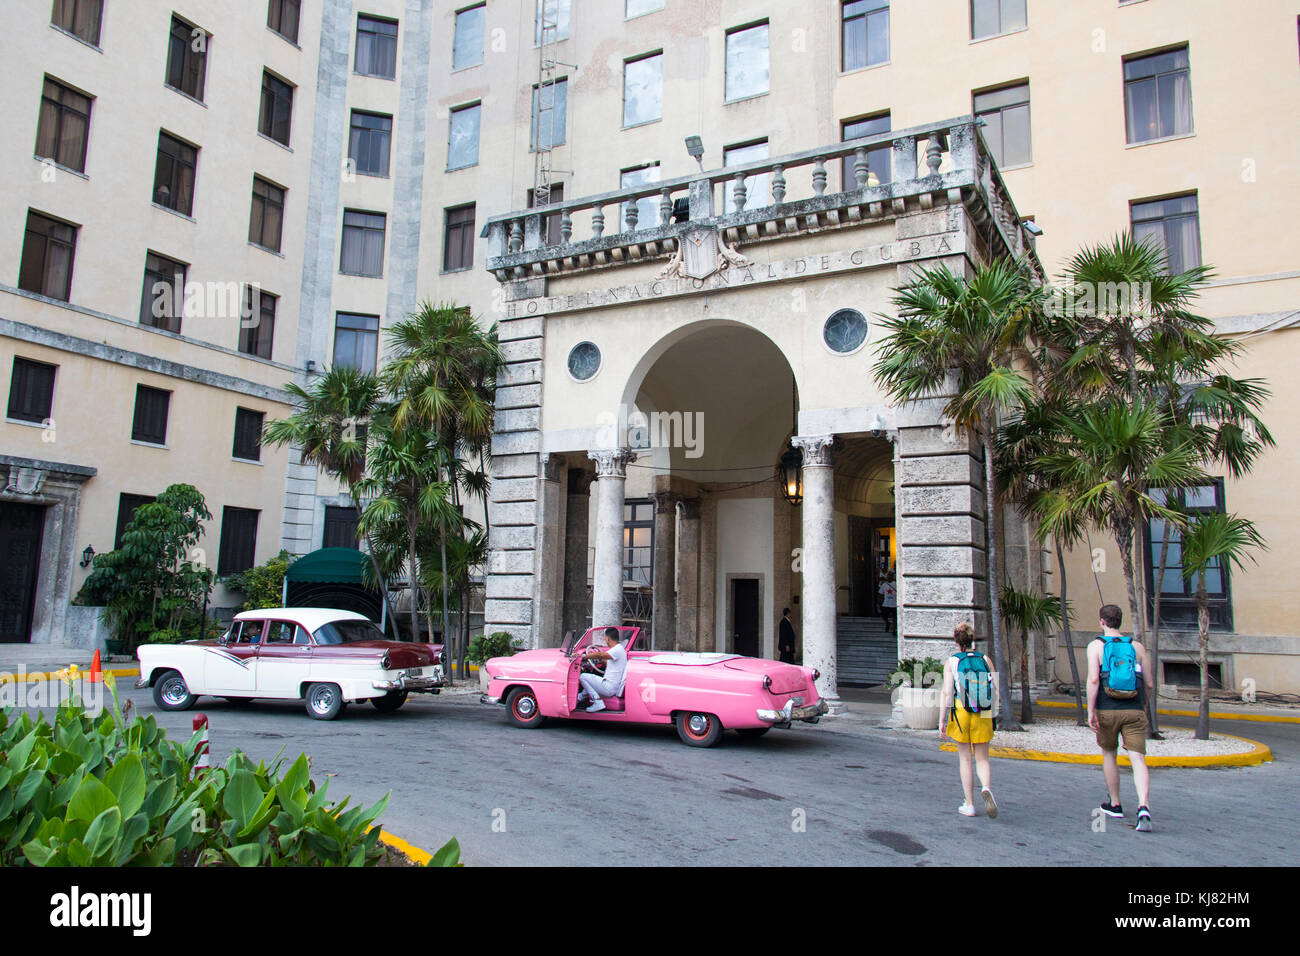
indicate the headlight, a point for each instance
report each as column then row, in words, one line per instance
column 386, row 663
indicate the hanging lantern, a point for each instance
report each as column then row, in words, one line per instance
column 789, row 475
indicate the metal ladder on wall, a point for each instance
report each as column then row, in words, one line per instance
column 548, row 30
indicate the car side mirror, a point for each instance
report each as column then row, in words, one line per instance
column 224, row 639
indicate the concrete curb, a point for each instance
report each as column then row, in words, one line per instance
column 54, row 675
column 1257, row 755
column 1216, row 714
column 422, row 857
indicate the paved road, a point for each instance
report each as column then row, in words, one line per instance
column 575, row 794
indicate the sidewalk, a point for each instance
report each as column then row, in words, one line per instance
column 38, row 660
column 1063, row 705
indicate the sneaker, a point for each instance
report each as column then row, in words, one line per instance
column 990, row 805
column 597, row 707
column 966, row 810
column 1115, row 811
column 1144, row 820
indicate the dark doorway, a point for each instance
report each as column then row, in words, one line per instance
column 744, row 616
column 21, row 528
column 862, row 579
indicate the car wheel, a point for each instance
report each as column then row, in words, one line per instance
column 170, row 692
column 698, row 730
column 752, row 731
column 324, row 701
column 522, row 706
column 390, row 701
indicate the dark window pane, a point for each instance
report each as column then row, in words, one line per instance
column 257, row 325
column 173, row 177
column 248, row 435
column 238, row 548
column 879, row 160
column 187, row 58
column 266, row 219
column 126, row 508
column 79, row 17
column 356, row 341
column 276, row 113
column 163, row 303
column 369, row 142
column 1173, row 226
column 31, row 390
column 458, row 239
column 150, row 421
column 363, row 243
column 1158, row 96
column 46, row 266
column 376, row 47
column 282, row 17
column 63, row 126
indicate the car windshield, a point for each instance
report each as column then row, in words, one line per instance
column 347, row 632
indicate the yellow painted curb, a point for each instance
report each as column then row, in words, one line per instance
column 54, row 675
column 397, row 843
column 1217, row 715
column 1251, row 758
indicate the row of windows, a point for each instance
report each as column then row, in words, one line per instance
column 31, row 399
column 238, row 542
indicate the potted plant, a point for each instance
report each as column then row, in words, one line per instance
column 484, row 647
column 917, row 688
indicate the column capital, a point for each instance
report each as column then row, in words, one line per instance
column 552, row 466
column 690, row 508
column 665, row 502
column 612, row 462
column 816, row 449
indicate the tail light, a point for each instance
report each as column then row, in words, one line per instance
column 386, row 663
column 816, row 674
column 767, row 681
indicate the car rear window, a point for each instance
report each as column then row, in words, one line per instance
column 347, row 632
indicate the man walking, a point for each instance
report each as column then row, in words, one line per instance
column 785, row 643
column 1119, row 678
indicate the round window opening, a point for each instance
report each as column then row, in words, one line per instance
column 845, row 331
column 584, row 361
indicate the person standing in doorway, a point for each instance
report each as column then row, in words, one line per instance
column 966, row 707
column 785, row 643
column 1119, row 678
column 889, row 604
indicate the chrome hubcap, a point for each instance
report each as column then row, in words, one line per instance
column 525, row 706
column 322, row 700
column 698, row 724
column 175, row 691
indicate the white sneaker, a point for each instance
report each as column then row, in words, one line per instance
column 990, row 805
column 966, row 810
column 597, row 707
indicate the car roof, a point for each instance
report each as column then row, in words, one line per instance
column 309, row 617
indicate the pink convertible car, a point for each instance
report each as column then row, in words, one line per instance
column 700, row 694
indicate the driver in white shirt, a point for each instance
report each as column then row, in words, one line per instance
column 611, row 685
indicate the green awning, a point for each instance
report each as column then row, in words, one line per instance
column 330, row 566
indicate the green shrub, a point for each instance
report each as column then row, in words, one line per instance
column 905, row 673
column 102, row 791
column 484, row 647
column 262, row 586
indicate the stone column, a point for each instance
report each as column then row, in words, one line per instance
column 688, row 579
column 818, row 508
column 548, row 585
column 664, row 631
column 576, row 518
column 607, row 585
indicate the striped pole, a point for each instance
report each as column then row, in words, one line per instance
column 203, row 761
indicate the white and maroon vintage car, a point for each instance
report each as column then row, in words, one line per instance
column 700, row 694
column 324, row 657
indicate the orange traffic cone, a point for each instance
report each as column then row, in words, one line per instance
column 96, row 672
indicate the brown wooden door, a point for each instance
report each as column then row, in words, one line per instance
column 21, row 528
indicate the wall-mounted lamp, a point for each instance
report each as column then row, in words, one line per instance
column 311, row 366
column 695, row 146
column 1031, row 227
column 87, row 556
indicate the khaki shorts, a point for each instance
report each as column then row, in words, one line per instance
column 1129, row 724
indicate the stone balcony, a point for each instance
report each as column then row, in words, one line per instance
column 945, row 163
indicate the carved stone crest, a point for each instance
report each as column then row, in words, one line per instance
column 701, row 251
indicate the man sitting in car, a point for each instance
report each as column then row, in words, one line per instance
column 594, row 687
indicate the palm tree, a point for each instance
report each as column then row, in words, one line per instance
column 1025, row 611
column 965, row 336
column 1213, row 543
column 442, row 376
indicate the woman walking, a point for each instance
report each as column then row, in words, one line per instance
column 966, row 714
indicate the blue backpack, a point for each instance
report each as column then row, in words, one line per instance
column 1119, row 668
column 974, row 682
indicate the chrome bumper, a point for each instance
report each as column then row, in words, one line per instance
column 808, row 712
column 414, row 685
column 485, row 699
column 142, row 683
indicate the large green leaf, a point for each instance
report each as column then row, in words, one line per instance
column 91, row 799
column 446, row 855
column 261, row 817
column 127, row 781
column 133, row 830
column 103, row 834
column 242, row 797
column 245, row 854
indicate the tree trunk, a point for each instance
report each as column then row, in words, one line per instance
column 412, row 590
column 1153, row 717
column 1081, row 717
column 1001, row 657
column 1026, row 703
column 1203, row 638
column 446, row 630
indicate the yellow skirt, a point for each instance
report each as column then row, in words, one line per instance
column 967, row 728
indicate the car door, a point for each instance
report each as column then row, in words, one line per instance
column 284, row 660
column 230, row 668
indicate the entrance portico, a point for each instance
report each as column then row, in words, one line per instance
column 628, row 370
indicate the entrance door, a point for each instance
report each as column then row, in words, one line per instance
column 744, row 616
column 862, row 579
column 21, row 527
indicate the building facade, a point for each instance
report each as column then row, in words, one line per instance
column 397, row 146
